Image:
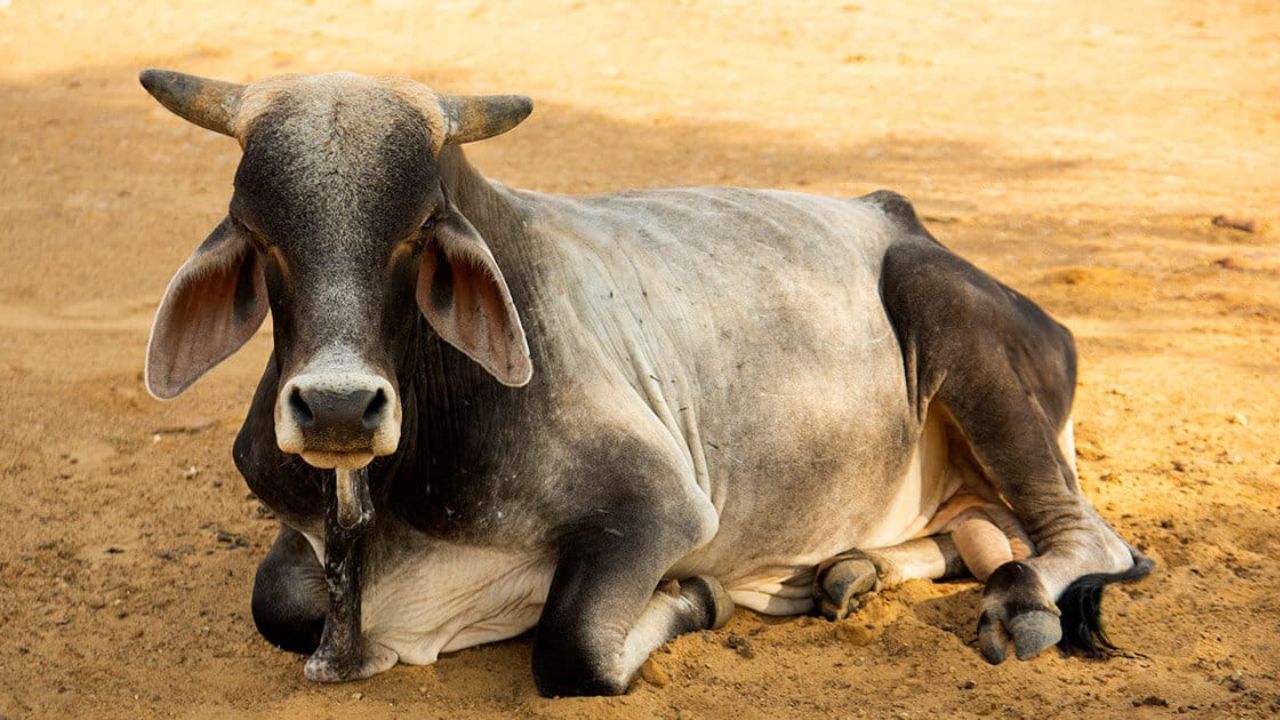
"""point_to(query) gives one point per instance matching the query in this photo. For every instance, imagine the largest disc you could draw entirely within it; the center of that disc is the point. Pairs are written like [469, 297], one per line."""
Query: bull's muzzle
[338, 420]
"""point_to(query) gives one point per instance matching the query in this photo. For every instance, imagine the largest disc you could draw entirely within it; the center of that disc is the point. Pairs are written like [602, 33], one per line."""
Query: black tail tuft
[1081, 606]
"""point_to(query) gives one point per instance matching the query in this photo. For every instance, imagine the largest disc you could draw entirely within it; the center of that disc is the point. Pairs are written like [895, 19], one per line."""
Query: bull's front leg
[348, 518]
[609, 607]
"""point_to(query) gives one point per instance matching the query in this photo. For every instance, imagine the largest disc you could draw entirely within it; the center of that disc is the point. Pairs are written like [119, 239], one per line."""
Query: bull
[609, 418]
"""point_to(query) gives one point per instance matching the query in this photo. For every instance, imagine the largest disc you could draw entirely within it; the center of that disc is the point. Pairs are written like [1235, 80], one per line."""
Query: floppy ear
[213, 305]
[465, 299]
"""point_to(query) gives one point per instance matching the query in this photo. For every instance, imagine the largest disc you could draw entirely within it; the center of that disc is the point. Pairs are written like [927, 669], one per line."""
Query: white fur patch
[440, 597]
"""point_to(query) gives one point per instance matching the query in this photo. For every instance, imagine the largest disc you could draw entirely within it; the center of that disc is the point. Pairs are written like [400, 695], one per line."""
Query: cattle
[613, 418]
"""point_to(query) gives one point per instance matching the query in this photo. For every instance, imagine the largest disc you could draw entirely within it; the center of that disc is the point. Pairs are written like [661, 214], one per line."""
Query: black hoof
[843, 585]
[710, 595]
[1016, 608]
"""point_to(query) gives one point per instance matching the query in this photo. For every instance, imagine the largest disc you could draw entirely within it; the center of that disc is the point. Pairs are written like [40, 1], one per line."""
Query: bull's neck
[493, 209]
[454, 401]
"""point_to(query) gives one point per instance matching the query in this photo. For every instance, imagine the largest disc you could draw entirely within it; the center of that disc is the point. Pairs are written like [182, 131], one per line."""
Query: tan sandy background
[1076, 148]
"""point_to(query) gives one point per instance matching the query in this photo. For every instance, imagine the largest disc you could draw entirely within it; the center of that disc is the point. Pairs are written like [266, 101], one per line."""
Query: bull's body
[737, 337]
[732, 388]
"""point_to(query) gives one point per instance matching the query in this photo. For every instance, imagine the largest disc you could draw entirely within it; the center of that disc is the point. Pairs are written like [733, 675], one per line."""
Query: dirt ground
[1078, 149]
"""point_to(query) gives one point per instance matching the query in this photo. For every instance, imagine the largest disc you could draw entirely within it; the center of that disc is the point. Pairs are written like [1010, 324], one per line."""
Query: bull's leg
[603, 615]
[845, 582]
[1005, 373]
[289, 595]
[1077, 552]
[608, 606]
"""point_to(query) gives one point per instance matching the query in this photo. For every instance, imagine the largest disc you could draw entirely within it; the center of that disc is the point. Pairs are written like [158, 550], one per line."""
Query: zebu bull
[611, 417]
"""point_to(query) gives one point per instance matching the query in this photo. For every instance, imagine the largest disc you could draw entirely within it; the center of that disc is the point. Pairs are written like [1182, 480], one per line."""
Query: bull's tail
[1081, 606]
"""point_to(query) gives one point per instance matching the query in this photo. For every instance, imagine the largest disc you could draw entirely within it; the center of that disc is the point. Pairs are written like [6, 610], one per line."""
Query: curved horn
[475, 117]
[211, 104]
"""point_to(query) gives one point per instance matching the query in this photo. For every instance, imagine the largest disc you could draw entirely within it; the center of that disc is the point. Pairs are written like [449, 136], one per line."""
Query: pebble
[653, 674]
[740, 644]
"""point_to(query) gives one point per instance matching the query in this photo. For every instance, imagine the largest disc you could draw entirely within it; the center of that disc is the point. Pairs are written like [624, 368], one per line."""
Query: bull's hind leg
[844, 583]
[1005, 372]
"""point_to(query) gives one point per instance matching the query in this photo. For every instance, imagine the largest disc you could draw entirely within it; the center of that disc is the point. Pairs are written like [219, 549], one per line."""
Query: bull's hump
[897, 208]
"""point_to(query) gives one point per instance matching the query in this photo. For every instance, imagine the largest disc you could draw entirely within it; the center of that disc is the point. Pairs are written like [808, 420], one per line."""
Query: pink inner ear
[214, 304]
[473, 311]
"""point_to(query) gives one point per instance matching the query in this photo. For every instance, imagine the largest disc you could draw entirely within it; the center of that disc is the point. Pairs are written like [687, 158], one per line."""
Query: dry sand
[1077, 149]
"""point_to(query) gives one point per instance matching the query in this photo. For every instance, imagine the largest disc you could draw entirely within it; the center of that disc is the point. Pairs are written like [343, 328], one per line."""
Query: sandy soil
[1077, 149]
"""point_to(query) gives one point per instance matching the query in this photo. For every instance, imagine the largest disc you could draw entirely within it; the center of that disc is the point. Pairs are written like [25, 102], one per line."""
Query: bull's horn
[475, 117]
[211, 104]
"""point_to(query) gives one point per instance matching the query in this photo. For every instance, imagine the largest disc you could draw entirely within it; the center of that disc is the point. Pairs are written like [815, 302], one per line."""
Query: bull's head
[340, 225]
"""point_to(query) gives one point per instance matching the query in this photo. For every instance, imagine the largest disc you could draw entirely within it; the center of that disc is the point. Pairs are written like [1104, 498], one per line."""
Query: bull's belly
[777, 578]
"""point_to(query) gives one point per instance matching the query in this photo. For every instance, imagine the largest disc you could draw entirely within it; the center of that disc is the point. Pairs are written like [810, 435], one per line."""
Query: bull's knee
[576, 663]
[289, 596]
[575, 658]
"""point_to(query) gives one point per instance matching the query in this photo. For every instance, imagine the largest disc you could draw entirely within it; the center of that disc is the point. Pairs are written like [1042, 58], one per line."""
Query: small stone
[1151, 701]
[740, 644]
[1235, 683]
[357, 696]
[653, 674]
[968, 685]
[1243, 224]
[1240, 419]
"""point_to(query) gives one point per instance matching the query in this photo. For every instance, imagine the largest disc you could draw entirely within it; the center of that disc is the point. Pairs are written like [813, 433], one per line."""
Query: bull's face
[340, 225]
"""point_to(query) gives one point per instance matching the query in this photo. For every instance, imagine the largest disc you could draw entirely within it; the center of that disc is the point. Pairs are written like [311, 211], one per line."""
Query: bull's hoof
[1015, 608]
[843, 584]
[712, 595]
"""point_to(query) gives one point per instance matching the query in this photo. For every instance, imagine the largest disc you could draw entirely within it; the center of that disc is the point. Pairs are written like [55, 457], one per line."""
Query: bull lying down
[610, 418]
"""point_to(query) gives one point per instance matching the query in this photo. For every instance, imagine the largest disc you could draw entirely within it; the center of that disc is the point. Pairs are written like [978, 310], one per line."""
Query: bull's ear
[213, 305]
[463, 295]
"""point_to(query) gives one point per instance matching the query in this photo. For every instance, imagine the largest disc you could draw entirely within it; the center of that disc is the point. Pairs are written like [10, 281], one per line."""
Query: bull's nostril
[301, 411]
[373, 413]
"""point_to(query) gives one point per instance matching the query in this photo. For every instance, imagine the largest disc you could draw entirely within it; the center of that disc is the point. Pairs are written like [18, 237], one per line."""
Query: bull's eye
[429, 224]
